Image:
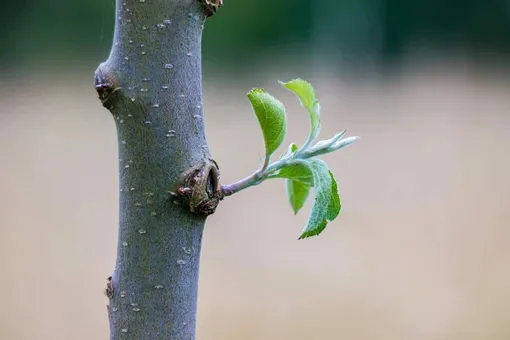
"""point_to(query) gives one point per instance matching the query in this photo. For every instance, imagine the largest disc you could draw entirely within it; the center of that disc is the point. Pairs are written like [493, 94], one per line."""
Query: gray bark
[151, 83]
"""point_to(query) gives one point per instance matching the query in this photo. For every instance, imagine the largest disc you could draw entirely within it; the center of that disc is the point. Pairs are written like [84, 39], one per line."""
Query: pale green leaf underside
[306, 95]
[334, 202]
[270, 113]
[326, 205]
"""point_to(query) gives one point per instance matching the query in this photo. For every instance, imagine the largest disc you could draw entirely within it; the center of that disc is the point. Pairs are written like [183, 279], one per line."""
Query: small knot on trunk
[106, 86]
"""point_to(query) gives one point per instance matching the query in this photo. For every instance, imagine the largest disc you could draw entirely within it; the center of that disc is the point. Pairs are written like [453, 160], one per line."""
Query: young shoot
[299, 166]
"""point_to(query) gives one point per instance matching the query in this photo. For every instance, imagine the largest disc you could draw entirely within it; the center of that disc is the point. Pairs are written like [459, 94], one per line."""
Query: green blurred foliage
[352, 30]
[242, 30]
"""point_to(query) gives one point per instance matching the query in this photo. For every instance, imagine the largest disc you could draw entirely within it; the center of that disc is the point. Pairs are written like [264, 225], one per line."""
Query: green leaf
[270, 113]
[300, 172]
[291, 150]
[297, 193]
[293, 147]
[299, 180]
[306, 95]
[326, 206]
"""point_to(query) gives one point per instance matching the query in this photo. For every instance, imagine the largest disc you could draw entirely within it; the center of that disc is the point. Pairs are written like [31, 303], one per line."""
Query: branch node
[200, 188]
[211, 6]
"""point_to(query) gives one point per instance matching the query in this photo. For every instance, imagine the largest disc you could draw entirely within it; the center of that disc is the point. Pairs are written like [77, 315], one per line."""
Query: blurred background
[421, 248]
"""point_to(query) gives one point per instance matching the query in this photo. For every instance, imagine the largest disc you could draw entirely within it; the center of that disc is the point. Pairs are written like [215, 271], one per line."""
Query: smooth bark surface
[151, 83]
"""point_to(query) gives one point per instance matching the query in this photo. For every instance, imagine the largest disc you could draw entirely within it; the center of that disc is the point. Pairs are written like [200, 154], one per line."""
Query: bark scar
[200, 188]
[109, 288]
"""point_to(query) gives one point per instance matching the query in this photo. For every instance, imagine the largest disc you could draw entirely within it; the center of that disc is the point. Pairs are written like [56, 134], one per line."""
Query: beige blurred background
[421, 248]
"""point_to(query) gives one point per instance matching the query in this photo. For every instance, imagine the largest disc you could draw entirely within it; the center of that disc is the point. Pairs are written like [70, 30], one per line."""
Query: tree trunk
[151, 83]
